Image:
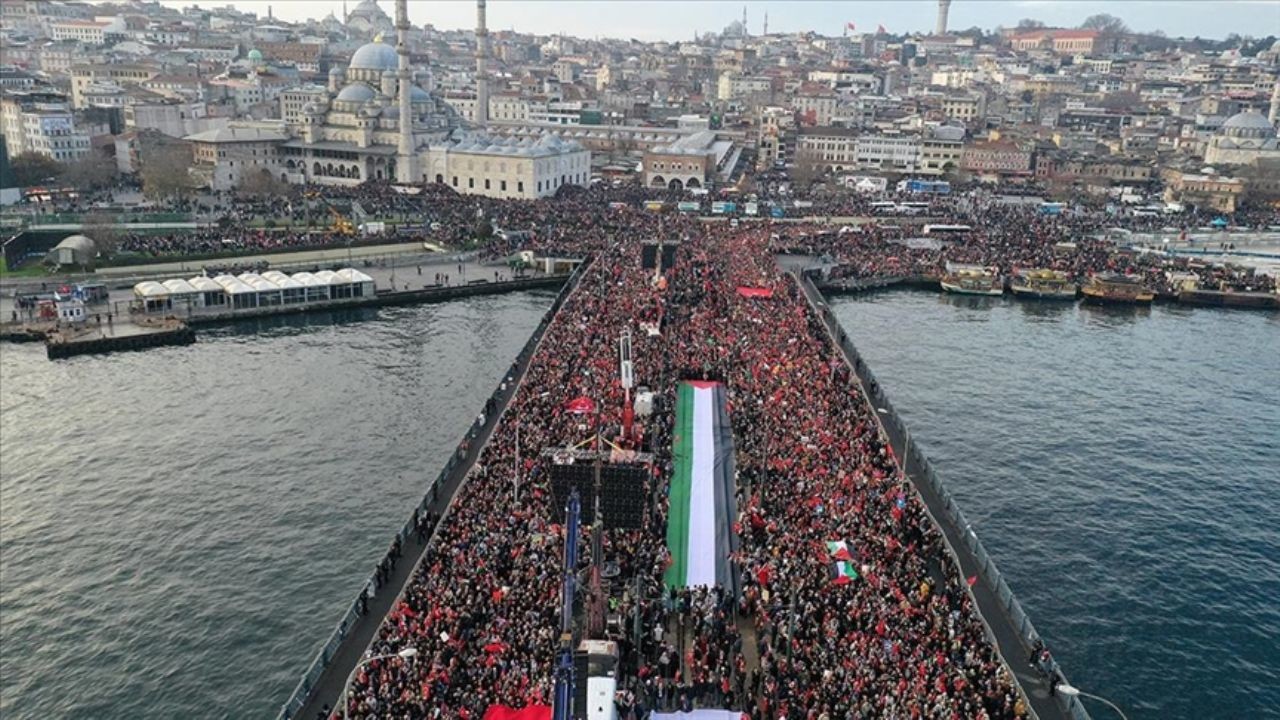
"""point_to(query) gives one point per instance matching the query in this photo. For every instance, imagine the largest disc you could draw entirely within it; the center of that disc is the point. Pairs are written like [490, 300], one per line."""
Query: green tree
[34, 169]
[1029, 24]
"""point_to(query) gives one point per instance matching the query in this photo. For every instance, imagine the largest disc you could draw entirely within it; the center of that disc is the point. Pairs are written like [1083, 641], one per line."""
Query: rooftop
[233, 134]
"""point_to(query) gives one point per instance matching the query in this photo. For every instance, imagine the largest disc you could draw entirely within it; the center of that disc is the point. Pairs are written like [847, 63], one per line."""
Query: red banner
[755, 292]
[531, 712]
[580, 405]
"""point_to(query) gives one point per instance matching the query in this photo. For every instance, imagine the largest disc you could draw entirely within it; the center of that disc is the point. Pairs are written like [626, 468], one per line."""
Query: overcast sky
[678, 19]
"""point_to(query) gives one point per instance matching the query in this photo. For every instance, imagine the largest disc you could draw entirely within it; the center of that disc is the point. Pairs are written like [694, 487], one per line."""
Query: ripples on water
[1121, 466]
[183, 527]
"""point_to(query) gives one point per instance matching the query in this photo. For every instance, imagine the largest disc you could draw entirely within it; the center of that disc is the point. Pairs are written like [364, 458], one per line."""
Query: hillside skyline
[652, 20]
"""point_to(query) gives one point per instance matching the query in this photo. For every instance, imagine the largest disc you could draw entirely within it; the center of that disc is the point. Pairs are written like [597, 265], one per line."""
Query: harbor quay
[822, 570]
[154, 313]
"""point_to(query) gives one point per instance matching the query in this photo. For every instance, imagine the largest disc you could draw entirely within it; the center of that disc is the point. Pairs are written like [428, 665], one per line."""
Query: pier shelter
[250, 291]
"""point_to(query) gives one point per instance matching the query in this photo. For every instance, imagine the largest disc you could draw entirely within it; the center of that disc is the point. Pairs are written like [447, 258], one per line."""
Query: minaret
[744, 21]
[766, 24]
[943, 7]
[482, 66]
[406, 161]
[1274, 115]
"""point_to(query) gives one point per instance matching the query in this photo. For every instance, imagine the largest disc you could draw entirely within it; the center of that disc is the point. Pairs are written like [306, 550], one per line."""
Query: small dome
[335, 72]
[374, 56]
[355, 92]
[255, 55]
[311, 108]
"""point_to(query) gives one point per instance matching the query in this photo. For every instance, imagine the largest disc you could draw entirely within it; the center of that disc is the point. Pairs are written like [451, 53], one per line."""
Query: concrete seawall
[1007, 625]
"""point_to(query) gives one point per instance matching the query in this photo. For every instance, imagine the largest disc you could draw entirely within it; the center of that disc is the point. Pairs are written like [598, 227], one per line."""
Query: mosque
[378, 120]
[368, 18]
[1243, 139]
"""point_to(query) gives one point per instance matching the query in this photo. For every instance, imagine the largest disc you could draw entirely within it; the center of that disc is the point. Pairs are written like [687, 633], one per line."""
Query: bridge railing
[914, 459]
[321, 661]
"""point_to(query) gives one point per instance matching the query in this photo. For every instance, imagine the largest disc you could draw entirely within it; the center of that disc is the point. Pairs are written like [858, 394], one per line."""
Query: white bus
[602, 683]
[946, 230]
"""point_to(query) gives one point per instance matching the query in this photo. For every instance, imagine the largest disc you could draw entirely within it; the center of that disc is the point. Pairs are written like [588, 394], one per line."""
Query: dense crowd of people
[482, 611]
[1009, 230]
[1008, 238]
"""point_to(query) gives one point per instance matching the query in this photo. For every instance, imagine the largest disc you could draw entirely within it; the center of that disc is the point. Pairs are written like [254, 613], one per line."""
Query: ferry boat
[1042, 284]
[1116, 289]
[972, 280]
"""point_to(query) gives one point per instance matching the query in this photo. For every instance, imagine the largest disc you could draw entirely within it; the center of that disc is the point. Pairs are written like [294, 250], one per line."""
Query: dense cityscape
[688, 497]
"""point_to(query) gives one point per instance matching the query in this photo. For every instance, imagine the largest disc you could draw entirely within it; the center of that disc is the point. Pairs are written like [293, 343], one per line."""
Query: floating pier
[67, 342]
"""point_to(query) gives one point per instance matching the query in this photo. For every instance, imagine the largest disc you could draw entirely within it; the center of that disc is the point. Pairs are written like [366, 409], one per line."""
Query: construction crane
[341, 224]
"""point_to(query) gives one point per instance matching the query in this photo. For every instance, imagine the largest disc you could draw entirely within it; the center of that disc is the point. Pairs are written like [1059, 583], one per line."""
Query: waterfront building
[690, 162]
[899, 153]
[941, 150]
[996, 157]
[224, 157]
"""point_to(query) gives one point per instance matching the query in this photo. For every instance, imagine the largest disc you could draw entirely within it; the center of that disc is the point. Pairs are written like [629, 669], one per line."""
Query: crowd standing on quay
[1006, 235]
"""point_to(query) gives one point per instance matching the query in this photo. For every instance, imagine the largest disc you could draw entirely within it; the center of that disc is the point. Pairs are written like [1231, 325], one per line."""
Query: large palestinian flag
[702, 507]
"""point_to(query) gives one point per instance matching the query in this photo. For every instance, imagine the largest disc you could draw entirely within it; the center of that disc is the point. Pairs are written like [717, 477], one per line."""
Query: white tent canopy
[254, 290]
[150, 289]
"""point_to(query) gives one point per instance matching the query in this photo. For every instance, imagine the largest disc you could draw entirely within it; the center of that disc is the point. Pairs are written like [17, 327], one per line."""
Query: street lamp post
[1071, 691]
[404, 654]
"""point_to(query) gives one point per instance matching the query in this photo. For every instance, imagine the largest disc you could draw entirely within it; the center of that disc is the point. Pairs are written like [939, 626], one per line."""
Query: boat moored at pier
[1117, 289]
[1042, 284]
[972, 280]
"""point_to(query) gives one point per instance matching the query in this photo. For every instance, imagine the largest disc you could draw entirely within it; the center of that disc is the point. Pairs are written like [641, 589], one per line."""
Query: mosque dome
[255, 55]
[1248, 124]
[417, 94]
[356, 92]
[368, 12]
[374, 56]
